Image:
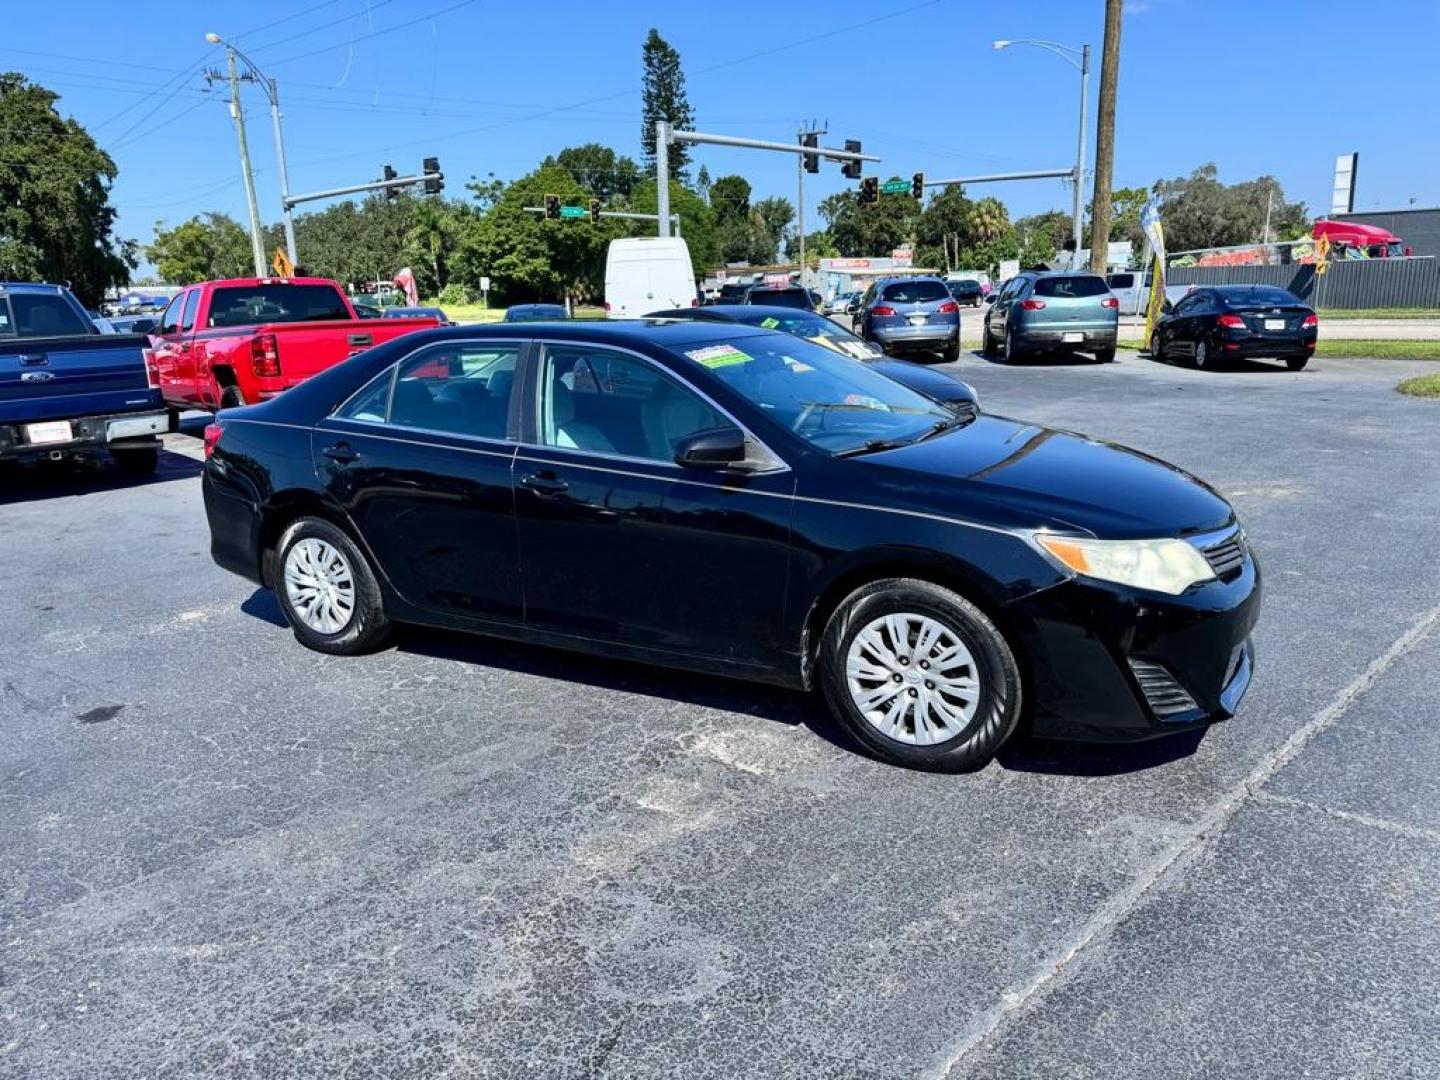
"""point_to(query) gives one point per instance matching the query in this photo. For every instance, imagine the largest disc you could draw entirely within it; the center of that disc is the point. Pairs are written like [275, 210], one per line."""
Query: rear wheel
[1202, 354]
[919, 676]
[137, 461]
[1105, 356]
[327, 590]
[952, 351]
[231, 397]
[1296, 363]
[1012, 349]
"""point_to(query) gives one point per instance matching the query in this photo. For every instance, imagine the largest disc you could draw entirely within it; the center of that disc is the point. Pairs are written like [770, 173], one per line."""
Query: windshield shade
[827, 399]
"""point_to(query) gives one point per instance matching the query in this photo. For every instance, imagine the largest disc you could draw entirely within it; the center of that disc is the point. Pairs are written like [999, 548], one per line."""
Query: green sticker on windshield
[718, 356]
[769, 322]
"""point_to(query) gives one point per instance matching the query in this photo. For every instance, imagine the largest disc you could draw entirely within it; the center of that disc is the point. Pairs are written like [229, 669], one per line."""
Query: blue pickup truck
[68, 392]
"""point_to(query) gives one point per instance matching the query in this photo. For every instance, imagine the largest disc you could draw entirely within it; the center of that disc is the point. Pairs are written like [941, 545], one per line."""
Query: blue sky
[1278, 86]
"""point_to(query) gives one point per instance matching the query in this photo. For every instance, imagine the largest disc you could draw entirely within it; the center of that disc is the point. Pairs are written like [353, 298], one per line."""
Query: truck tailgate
[311, 347]
[62, 377]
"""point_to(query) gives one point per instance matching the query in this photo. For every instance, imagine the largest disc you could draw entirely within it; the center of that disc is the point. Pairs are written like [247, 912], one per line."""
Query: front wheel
[1012, 350]
[1156, 349]
[327, 590]
[987, 343]
[920, 676]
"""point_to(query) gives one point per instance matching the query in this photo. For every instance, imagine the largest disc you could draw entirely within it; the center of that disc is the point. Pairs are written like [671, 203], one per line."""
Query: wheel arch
[284, 508]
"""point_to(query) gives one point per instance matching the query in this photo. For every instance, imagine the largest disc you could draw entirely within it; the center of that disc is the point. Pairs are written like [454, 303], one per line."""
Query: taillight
[1032, 305]
[212, 438]
[1110, 301]
[1231, 322]
[152, 369]
[265, 354]
[949, 307]
[882, 309]
[607, 307]
[1311, 320]
[695, 302]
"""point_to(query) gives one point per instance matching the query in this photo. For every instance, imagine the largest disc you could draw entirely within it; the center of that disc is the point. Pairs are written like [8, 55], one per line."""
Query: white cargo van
[648, 273]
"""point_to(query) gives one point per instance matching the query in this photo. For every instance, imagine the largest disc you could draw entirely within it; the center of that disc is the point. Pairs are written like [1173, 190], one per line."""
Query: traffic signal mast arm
[387, 184]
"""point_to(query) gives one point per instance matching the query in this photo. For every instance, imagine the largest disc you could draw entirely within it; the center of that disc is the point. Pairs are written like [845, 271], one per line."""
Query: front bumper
[1111, 663]
[91, 436]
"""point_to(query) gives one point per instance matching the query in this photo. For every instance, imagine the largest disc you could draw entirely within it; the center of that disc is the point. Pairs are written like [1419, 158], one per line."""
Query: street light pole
[237, 113]
[284, 174]
[1080, 60]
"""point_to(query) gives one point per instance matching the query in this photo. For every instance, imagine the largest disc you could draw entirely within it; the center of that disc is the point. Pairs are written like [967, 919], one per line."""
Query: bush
[454, 293]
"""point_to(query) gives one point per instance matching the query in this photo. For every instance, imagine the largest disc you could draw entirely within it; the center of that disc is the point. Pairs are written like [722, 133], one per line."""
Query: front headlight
[1168, 566]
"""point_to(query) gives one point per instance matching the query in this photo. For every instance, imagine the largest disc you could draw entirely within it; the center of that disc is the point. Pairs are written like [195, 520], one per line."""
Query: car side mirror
[712, 448]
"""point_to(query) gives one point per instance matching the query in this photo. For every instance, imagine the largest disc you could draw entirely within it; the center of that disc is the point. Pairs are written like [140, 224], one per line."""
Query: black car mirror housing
[713, 448]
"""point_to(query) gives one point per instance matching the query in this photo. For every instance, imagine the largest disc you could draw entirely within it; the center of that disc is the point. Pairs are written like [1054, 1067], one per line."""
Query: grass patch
[1379, 313]
[1370, 348]
[1426, 386]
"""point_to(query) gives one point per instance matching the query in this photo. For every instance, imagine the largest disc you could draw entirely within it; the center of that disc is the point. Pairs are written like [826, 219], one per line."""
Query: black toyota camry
[749, 503]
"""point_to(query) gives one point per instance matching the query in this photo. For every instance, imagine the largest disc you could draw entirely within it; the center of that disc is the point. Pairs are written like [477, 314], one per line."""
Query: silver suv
[1055, 311]
[910, 315]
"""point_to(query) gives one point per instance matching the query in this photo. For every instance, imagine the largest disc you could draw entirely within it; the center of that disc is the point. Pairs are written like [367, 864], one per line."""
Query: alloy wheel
[319, 585]
[1202, 354]
[913, 679]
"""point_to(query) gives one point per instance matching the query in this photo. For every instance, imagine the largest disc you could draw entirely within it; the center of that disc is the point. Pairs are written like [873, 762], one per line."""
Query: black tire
[172, 419]
[1296, 363]
[998, 710]
[137, 461]
[1105, 356]
[1157, 351]
[952, 352]
[231, 397]
[987, 343]
[1012, 350]
[1201, 358]
[368, 626]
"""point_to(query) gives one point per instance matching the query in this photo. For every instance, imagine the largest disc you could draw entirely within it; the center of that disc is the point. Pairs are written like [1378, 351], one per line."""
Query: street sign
[484, 284]
[895, 187]
[574, 212]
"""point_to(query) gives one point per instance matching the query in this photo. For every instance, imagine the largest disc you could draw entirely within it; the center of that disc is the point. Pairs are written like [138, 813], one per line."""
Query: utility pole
[284, 175]
[1105, 138]
[237, 112]
[1079, 222]
[662, 176]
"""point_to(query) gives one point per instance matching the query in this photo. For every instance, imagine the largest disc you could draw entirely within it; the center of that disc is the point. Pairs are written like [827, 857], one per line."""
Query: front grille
[1227, 557]
[1167, 698]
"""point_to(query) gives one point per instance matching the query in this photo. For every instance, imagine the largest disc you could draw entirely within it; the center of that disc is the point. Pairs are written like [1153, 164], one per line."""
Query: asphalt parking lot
[226, 856]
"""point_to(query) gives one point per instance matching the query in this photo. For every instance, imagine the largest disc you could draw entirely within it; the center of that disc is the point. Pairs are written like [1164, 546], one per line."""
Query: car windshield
[814, 328]
[830, 401]
[1076, 286]
[915, 292]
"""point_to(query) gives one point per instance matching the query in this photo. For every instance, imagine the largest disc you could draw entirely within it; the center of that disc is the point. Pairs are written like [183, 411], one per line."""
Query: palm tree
[431, 230]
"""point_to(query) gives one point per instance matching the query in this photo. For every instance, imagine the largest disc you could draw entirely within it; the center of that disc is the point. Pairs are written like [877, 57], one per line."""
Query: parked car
[742, 502]
[840, 304]
[732, 292]
[367, 311]
[69, 392]
[535, 312]
[966, 291]
[979, 276]
[786, 296]
[646, 272]
[1218, 323]
[1052, 311]
[133, 324]
[827, 332]
[1132, 289]
[910, 315]
[223, 344]
[102, 325]
[414, 312]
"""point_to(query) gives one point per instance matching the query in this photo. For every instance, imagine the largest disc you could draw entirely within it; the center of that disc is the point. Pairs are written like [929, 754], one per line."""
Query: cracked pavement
[225, 856]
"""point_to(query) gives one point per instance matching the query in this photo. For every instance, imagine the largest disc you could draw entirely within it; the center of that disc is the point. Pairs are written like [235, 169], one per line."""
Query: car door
[186, 375]
[1000, 310]
[1179, 327]
[617, 541]
[420, 460]
[167, 341]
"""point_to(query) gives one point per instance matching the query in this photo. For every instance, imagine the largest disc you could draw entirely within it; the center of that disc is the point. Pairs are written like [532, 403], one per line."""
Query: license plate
[1274, 324]
[52, 431]
[917, 320]
[1072, 335]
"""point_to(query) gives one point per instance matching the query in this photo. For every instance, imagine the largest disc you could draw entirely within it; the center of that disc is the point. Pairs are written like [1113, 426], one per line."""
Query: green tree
[598, 169]
[1199, 211]
[773, 218]
[1042, 236]
[942, 228]
[869, 229]
[56, 221]
[208, 246]
[432, 234]
[663, 98]
[697, 222]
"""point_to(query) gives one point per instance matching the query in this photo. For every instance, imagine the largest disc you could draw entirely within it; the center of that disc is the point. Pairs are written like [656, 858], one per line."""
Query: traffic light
[390, 193]
[595, 211]
[917, 186]
[869, 189]
[434, 180]
[552, 207]
[812, 161]
[851, 169]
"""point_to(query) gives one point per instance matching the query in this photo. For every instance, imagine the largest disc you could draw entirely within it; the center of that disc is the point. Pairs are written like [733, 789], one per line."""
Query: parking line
[1179, 855]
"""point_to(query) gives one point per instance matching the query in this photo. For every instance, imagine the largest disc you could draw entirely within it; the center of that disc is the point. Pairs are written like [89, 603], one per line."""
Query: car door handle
[360, 339]
[544, 484]
[341, 452]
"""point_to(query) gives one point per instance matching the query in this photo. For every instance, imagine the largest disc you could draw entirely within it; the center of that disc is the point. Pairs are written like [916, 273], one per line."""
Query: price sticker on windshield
[718, 356]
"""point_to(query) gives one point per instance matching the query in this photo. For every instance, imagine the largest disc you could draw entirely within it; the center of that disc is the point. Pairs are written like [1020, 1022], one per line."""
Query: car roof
[30, 287]
[899, 279]
[622, 333]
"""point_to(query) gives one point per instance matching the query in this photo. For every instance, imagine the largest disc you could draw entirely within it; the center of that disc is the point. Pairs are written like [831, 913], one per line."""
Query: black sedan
[966, 291]
[1220, 323]
[412, 312]
[535, 313]
[738, 501]
[831, 334]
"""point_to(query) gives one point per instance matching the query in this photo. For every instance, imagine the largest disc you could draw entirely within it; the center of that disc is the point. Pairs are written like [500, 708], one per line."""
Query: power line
[369, 10]
[373, 34]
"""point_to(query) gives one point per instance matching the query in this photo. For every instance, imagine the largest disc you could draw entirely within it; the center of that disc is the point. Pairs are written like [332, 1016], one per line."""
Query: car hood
[937, 384]
[1019, 475]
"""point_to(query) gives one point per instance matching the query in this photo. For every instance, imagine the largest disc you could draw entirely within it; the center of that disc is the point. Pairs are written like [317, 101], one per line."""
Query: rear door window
[1078, 287]
[915, 292]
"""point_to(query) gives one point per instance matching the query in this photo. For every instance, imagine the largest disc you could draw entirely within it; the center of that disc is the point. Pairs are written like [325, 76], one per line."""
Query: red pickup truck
[221, 344]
